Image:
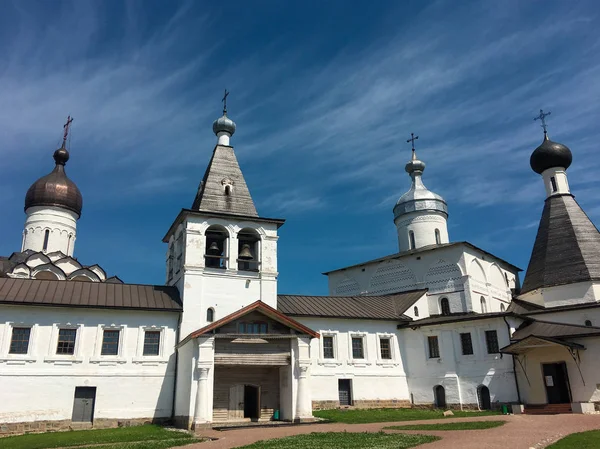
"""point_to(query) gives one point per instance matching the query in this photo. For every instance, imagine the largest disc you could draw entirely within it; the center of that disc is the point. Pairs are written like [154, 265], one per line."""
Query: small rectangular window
[253, 328]
[491, 340]
[110, 342]
[386, 348]
[434, 349]
[19, 344]
[466, 343]
[553, 181]
[357, 348]
[328, 348]
[66, 341]
[151, 342]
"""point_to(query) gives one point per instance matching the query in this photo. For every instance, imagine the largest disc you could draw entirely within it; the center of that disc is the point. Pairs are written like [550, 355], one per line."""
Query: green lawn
[466, 425]
[362, 416]
[140, 437]
[346, 440]
[582, 440]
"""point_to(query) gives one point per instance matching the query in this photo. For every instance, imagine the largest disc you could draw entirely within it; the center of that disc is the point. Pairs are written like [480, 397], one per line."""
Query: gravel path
[519, 432]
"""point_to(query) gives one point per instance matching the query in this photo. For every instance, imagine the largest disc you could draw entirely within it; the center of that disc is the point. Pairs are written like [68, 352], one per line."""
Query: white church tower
[222, 256]
[420, 215]
[53, 205]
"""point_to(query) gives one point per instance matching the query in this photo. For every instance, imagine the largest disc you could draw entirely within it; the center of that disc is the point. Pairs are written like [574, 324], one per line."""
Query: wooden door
[83, 404]
[236, 402]
[345, 393]
[440, 397]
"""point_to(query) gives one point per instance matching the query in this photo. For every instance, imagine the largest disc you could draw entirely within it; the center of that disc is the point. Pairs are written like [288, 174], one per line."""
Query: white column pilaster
[201, 415]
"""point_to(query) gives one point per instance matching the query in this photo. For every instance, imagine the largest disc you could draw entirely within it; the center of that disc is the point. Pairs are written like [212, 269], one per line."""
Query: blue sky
[324, 95]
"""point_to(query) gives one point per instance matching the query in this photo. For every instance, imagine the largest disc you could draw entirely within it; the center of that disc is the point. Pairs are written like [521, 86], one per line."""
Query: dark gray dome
[224, 124]
[55, 189]
[550, 154]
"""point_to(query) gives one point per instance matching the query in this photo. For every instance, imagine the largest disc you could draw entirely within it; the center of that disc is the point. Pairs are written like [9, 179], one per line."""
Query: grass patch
[148, 436]
[466, 425]
[581, 440]
[346, 440]
[363, 416]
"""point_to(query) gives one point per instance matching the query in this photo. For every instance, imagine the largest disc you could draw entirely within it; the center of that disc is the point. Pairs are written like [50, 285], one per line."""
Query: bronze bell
[214, 248]
[245, 253]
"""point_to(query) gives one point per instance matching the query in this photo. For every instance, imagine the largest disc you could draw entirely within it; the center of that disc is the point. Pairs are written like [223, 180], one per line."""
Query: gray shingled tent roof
[567, 246]
[211, 197]
[89, 294]
[388, 307]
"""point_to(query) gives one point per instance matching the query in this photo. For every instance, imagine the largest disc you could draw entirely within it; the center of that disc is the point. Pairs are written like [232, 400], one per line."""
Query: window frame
[462, 344]
[241, 324]
[12, 341]
[58, 341]
[52, 354]
[483, 304]
[146, 343]
[412, 243]
[20, 359]
[122, 350]
[211, 311]
[150, 360]
[444, 301]
[487, 342]
[390, 355]
[359, 349]
[431, 354]
[438, 237]
[354, 361]
[324, 354]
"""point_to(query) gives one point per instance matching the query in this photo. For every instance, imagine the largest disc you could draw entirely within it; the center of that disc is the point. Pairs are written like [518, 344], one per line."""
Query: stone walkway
[519, 432]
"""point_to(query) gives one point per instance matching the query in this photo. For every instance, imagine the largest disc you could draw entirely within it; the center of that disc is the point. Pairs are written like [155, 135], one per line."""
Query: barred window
[466, 343]
[357, 348]
[66, 341]
[434, 348]
[328, 348]
[110, 342]
[491, 340]
[385, 348]
[151, 342]
[19, 343]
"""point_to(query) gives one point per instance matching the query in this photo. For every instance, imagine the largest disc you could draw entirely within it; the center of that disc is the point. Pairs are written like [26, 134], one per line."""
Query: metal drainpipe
[173, 402]
[514, 370]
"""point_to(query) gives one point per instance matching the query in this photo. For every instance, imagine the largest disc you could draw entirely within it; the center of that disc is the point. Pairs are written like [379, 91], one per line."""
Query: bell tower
[221, 254]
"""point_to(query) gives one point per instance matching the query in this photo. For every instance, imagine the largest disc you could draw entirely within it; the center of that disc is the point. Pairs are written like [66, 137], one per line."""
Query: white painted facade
[40, 385]
[50, 229]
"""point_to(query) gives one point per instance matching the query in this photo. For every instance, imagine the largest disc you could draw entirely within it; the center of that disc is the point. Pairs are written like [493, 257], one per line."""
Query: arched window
[411, 238]
[216, 247]
[553, 182]
[416, 311]
[588, 323]
[227, 190]
[210, 314]
[502, 308]
[484, 308]
[438, 239]
[248, 250]
[445, 306]
[46, 238]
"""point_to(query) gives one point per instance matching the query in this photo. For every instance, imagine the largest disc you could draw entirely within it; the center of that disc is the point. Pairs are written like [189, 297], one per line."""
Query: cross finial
[66, 127]
[224, 100]
[542, 117]
[412, 140]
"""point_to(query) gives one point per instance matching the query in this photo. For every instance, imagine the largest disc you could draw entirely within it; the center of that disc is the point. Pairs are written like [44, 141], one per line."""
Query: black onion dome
[55, 189]
[550, 154]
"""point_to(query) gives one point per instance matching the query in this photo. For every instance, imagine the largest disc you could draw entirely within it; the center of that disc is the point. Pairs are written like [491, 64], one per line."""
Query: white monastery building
[436, 324]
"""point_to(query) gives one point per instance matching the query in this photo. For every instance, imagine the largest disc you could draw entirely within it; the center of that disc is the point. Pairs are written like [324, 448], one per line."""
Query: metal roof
[553, 330]
[533, 342]
[521, 307]
[388, 307]
[89, 294]
[452, 318]
[422, 250]
[566, 249]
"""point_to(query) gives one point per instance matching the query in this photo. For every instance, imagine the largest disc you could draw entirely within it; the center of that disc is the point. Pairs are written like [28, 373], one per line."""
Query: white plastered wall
[61, 223]
[40, 385]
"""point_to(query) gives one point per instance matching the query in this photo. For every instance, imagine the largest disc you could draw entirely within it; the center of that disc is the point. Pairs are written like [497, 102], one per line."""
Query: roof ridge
[582, 326]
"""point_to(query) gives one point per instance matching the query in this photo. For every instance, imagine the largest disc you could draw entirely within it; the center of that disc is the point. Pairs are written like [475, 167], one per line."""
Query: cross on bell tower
[66, 127]
[542, 117]
[412, 140]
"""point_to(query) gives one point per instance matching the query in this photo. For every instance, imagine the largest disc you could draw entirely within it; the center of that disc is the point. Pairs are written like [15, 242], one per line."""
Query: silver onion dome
[224, 124]
[418, 197]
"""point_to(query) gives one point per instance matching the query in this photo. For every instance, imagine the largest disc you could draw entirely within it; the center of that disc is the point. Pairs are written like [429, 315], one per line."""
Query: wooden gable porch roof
[257, 306]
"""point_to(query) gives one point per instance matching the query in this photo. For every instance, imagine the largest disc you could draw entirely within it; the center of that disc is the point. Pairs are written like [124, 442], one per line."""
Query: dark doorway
[345, 391]
[83, 405]
[251, 402]
[440, 396]
[483, 396]
[556, 380]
